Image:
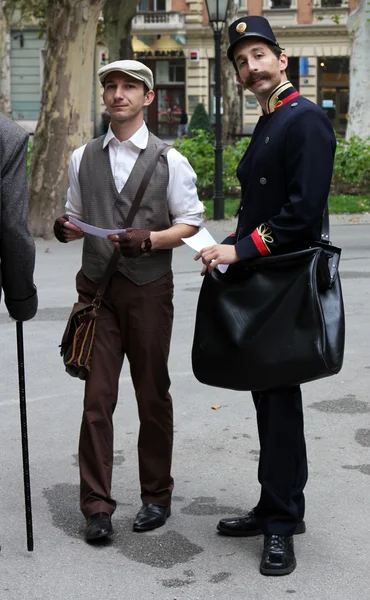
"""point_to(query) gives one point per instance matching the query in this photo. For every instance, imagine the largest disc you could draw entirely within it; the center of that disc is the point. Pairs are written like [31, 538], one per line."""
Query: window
[168, 71]
[281, 3]
[334, 71]
[152, 5]
[293, 71]
[334, 90]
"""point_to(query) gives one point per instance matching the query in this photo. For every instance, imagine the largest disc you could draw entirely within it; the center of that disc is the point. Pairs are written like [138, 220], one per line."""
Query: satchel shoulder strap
[112, 266]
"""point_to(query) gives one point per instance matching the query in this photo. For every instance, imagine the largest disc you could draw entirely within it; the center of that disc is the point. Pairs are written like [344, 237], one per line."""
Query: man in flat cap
[135, 318]
[285, 177]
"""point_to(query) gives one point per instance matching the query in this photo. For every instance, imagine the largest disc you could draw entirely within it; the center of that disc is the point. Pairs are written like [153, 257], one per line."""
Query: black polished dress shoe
[151, 516]
[248, 526]
[98, 527]
[278, 555]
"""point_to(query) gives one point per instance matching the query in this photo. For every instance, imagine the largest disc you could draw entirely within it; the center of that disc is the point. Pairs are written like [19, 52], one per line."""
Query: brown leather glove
[59, 229]
[134, 242]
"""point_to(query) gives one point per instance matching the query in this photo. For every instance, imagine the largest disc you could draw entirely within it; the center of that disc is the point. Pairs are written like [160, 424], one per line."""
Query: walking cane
[23, 412]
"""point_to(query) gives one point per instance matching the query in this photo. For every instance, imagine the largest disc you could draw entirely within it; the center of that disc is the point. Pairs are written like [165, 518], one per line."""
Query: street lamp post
[217, 10]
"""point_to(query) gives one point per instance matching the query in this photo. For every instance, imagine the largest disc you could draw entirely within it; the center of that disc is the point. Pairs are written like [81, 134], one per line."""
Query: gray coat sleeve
[17, 248]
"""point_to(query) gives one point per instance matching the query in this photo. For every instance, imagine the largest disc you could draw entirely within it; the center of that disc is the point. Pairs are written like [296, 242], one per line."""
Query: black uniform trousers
[282, 469]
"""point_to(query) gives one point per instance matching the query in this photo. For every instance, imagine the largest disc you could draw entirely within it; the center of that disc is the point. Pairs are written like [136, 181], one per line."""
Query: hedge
[351, 166]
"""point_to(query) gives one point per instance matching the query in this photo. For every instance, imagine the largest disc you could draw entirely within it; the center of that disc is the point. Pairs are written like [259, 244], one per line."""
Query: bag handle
[112, 266]
[325, 229]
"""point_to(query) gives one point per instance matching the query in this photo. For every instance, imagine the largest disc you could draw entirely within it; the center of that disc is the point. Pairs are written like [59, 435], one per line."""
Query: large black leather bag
[276, 322]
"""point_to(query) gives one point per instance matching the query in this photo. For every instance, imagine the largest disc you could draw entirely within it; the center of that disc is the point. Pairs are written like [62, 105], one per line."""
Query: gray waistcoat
[103, 206]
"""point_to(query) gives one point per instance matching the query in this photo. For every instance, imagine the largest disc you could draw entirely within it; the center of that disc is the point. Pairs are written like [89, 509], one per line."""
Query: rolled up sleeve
[183, 201]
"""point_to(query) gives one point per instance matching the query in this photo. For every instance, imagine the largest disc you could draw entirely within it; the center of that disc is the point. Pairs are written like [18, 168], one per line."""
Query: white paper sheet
[98, 231]
[201, 240]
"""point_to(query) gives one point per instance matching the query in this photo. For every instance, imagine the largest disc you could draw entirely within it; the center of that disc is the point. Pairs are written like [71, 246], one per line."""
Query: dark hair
[274, 49]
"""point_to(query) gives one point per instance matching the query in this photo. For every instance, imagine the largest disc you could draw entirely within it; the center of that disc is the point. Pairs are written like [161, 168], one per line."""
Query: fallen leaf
[216, 407]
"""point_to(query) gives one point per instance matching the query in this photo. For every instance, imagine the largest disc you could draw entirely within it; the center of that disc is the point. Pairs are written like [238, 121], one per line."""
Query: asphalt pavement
[214, 463]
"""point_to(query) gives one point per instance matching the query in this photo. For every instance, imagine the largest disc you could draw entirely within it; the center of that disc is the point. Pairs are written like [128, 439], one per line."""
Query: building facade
[174, 38]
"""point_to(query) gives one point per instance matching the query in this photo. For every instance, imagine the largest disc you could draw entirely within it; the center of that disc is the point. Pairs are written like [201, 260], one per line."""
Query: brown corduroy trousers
[135, 321]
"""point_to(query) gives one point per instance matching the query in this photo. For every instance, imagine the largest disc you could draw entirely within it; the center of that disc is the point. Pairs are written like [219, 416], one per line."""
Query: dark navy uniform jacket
[285, 178]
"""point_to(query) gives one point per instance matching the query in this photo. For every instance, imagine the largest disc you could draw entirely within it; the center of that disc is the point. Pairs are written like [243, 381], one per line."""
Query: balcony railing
[151, 20]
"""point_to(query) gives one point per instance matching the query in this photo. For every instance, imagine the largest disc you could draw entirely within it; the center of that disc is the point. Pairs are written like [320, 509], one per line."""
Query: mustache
[256, 77]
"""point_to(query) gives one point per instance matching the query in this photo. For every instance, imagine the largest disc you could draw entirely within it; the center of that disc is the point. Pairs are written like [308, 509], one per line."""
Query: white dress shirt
[184, 205]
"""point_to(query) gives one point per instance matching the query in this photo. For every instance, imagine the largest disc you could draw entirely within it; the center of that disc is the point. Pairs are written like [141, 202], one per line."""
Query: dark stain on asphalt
[219, 577]
[118, 458]
[365, 469]
[176, 583]
[255, 455]
[178, 498]
[189, 573]
[162, 548]
[63, 503]
[362, 437]
[203, 505]
[347, 405]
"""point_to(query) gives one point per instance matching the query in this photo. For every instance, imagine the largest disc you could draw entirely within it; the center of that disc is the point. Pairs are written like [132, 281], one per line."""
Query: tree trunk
[5, 102]
[65, 117]
[118, 15]
[231, 124]
[359, 30]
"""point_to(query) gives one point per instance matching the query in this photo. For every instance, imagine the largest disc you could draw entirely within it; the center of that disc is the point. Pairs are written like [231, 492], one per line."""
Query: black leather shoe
[151, 516]
[98, 527]
[278, 555]
[248, 526]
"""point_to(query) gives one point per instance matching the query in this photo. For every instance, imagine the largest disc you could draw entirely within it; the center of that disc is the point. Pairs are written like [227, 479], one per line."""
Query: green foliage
[28, 11]
[199, 120]
[29, 150]
[337, 205]
[349, 204]
[199, 150]
[352, 166]
[231, 157]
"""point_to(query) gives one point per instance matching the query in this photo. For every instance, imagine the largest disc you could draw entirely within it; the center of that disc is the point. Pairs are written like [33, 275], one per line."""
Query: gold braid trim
[273, 99]
[265, 234]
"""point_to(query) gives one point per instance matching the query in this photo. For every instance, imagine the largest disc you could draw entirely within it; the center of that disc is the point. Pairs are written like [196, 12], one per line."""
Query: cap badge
[241, 27]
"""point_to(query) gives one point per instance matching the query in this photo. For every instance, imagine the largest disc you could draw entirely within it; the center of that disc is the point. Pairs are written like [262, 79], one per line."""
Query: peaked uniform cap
[249, 27]
[133, 68]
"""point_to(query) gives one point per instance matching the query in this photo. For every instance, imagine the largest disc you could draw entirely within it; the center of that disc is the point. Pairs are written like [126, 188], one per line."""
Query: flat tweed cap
[133, 68]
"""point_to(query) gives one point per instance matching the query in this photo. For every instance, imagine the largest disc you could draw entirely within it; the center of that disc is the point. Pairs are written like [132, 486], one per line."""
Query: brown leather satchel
[78, 338]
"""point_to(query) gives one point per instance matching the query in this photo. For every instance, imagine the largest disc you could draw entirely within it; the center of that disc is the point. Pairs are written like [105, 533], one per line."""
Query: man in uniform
[135, 318]
[285, 178]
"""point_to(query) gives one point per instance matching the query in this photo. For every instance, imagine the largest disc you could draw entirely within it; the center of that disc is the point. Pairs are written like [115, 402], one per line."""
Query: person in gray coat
[17, 248]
